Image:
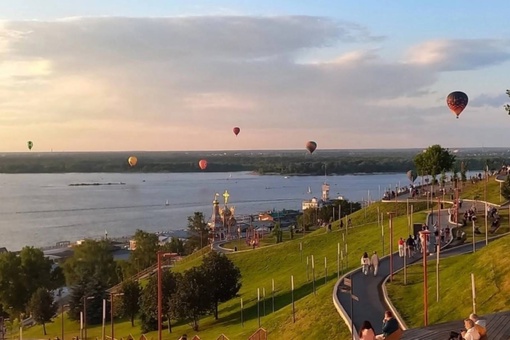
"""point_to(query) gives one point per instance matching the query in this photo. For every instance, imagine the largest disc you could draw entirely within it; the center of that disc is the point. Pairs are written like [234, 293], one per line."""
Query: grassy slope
[315, 315]
[492, 277]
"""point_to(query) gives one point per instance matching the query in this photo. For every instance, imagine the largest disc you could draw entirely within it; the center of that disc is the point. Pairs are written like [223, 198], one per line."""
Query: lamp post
[391, 245]
[112, 295]
[160, 255]
[85, 298]
[424, 235]
[62, 315]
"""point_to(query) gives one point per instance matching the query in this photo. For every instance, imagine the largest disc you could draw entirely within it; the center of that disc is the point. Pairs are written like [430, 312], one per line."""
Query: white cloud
[189, 78]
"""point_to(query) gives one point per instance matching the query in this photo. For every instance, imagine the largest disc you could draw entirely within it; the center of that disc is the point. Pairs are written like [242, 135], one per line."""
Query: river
[42, 209]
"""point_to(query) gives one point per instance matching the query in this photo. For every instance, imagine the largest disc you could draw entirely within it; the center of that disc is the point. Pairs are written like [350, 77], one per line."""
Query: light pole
[391, 245]
[85, 298]
[424, 235]
[112, 295]
[160, 255]
[62, 312]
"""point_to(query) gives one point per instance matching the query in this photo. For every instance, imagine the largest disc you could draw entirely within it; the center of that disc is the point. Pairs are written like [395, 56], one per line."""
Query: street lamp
[112, 295]
[62, 312]
[85, 298]
[424, 235]
[391, 245]
[160, 255]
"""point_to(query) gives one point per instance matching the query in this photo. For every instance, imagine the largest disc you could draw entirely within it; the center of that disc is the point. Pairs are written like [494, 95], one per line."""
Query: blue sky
[178, 75]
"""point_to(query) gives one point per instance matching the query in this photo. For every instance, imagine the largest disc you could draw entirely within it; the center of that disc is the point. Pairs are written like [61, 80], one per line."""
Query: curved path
[371, 304]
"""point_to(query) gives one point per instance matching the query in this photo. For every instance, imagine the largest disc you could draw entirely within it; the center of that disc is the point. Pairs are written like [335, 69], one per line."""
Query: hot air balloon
[30, 145]
[457, 102]
[202, 164]
[412, 175]
[236, 130]
[311, 146]
[132, 161]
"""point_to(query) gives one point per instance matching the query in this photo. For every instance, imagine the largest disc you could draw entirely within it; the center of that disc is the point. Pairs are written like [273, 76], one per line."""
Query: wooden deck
[498, 328]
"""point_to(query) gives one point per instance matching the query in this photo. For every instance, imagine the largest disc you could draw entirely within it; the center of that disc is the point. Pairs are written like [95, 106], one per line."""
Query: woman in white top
[471, 333]
[365, 263]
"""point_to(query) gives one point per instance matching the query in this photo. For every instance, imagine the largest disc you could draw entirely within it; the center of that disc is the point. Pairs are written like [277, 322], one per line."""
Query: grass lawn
[315, 314]
[492, 281]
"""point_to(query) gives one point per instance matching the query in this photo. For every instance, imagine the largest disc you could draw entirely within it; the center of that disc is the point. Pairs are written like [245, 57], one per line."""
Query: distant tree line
[268, 162]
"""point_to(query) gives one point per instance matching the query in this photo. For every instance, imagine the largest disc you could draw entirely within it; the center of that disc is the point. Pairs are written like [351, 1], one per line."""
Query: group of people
[370, 263]
[389, 326]
[475, 329]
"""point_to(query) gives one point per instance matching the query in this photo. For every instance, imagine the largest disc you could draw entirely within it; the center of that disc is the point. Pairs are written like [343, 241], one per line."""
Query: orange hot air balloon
[202, 164]
[236, 130]
[132, 161]
[311, 146]
[457, 102]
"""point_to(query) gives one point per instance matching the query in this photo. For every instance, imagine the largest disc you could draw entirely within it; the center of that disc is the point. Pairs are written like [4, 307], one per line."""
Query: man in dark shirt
[390, 325]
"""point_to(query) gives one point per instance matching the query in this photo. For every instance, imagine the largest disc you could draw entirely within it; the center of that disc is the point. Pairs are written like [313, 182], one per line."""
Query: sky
[168, 75]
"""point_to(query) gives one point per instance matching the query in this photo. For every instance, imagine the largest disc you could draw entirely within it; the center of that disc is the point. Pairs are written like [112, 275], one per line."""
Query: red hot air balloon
[311, 146]
[236, 130]
[202, 164]
[457, 102]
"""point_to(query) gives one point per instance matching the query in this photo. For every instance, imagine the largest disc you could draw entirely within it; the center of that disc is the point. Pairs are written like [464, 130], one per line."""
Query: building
[222, 223]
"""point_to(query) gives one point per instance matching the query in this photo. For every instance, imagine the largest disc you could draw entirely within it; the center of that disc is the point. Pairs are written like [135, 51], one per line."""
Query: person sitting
[470, 333]
[366, 331]
[390, 326]
[480, 325]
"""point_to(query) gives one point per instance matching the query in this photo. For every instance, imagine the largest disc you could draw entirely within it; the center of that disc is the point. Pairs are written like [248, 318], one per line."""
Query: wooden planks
[498, 328]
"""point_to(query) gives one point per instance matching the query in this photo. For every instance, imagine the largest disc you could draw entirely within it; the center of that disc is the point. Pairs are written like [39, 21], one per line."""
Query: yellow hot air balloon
[132, 161]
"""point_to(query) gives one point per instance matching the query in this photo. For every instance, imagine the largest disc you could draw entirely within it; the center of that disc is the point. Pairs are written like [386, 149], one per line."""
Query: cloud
[183, 82]
[460, 54]
[497, 100]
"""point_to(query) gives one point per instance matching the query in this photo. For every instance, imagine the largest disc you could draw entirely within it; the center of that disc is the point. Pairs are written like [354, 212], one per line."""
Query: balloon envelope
[457, 102]
[202, 164]
[132, 161]
[30, 145]
[311, 146]
[412, 175]
[236, 130]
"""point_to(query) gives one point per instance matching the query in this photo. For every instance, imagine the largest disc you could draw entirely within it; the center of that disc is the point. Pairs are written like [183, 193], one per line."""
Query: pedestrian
[374, 261]
[183, 337]
[366, 331]
[401, 244]
[365, 263]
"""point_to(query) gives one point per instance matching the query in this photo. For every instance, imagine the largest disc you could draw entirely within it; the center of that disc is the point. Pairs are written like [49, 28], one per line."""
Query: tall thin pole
[382, 233]
[487, 225]
[292, 296]
[325, 270]
[301, 250]
[62, 309]
[474, 244]
[313, 275]
[258, 305]
[272, 292]
[85, 317]
[307, 270]
[242, 321]
[352, 308]
[424, 235]
[437, 272]
[473, 292]
[391, 246]
[160, 296]
[338, 261]
[111, 316]
[104, 320]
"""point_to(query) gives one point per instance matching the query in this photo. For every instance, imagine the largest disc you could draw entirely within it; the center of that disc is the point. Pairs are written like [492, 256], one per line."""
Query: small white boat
[309, 190]
[167, 203]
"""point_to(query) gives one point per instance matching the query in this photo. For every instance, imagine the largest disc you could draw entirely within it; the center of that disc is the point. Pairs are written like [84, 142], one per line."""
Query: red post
[424, 234]
[111, 316]
[391, 245]
[159, 296]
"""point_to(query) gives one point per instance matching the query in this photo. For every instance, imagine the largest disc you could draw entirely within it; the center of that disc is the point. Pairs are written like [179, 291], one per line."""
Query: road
[371, 305]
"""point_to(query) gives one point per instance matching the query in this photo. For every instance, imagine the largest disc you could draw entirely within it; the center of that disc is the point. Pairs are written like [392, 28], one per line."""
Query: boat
[309, 190]
[167, 203]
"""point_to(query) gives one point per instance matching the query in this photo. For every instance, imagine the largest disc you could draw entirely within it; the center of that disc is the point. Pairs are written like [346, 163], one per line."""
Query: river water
[42, 209]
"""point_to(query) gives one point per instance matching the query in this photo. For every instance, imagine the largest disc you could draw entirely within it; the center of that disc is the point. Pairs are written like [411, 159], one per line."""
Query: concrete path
[371, 305]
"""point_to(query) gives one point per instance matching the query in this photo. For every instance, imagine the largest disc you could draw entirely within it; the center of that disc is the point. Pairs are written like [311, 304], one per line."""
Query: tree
[505, 188]
[13, 291]
[278, 233]
[149, 300]
[223, 277]
[90, 292]
[192, 296]
[145, 253]
[175, 245]
[42, 307]
[463, 172]
[433, 161]
[198, 232]
[91, 260]
[130, 304]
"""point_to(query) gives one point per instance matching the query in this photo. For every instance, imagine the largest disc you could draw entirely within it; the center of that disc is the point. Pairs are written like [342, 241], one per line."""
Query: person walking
[374, 261]
[366, 331]
[365, 263]
[401, 244]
